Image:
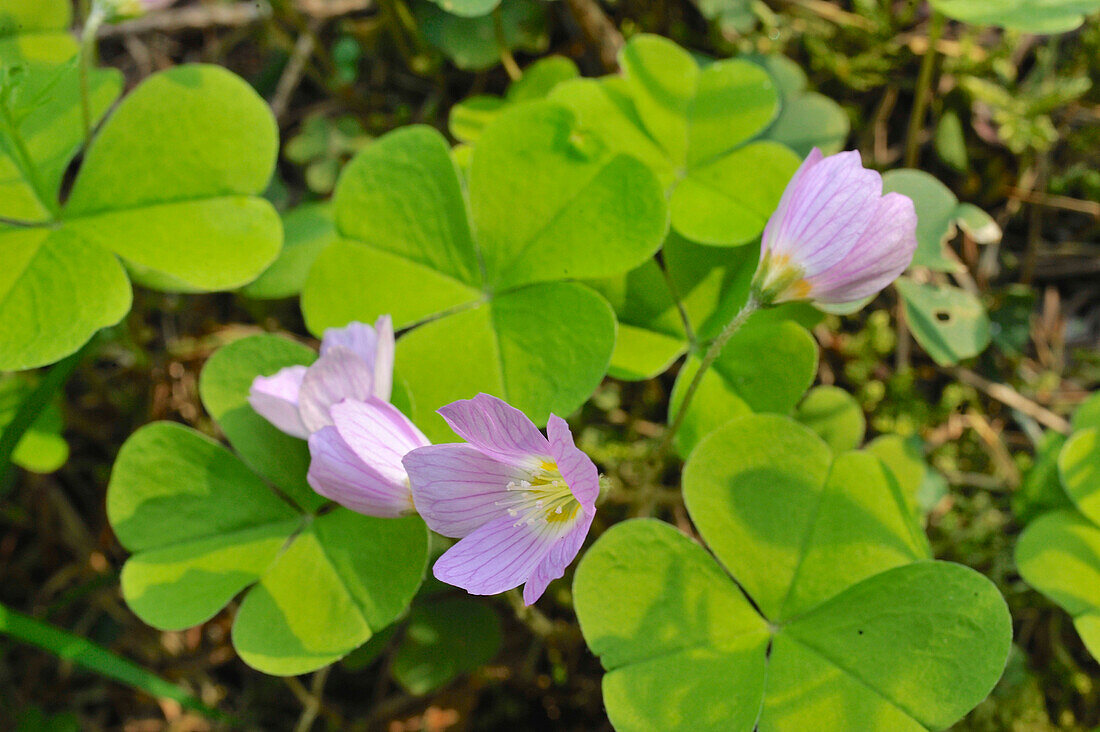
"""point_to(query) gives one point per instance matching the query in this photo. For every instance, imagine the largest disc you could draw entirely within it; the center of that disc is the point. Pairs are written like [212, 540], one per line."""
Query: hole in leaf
[943, 316]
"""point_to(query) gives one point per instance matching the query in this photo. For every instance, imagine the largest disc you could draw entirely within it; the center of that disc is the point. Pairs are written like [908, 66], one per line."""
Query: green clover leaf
[1029, 16]
[42, 449]
[204, 526]
[1059, 553]
[469, 38]
[694, 128]
[841, 588]
[36, 30]
[478, 272]
[950, 323]
[169, 186]
[806, 119]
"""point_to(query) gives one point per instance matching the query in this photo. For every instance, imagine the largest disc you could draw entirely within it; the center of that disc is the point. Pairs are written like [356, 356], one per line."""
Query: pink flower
[340, 404]
[521, 503]
[834, 237]
[356, 363]
[356, 461]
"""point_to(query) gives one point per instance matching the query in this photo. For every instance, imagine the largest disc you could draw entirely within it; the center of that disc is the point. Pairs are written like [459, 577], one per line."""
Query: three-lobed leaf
[841, 589]
[477, 272]
[167, 187]
[203, 527]
[694, 127]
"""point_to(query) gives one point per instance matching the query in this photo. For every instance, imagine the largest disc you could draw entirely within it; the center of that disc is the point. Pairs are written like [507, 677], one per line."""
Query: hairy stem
[87, 58]
[708, 359]
[689, 331]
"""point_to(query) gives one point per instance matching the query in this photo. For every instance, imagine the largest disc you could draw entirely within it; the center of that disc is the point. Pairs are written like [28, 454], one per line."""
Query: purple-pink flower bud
[340, 403]
[834, 237]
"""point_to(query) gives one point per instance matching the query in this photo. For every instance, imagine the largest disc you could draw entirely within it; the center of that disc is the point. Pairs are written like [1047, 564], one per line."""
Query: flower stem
[689, 331]
[920, 96]
[716, 346]
[87, 58]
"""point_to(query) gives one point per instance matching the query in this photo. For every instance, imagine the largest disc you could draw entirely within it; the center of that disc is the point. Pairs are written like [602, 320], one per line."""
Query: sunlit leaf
[694, 127]
[168, 187]
[482, 291]
[840, 587]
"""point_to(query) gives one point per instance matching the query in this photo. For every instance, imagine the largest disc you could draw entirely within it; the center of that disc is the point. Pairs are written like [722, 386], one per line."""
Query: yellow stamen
[544, 497]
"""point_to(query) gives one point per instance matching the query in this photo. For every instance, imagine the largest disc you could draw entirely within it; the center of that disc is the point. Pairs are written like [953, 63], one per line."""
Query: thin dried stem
[1012, 398]
[599, 30]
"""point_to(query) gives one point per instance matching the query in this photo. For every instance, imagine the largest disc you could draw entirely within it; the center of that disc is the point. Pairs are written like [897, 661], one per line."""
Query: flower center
[778, 279]
[545, 498]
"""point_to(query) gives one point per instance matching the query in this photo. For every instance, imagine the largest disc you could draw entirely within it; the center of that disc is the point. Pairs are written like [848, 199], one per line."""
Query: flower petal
[275, 398]
[497, 429]
[829, 208]
[560, 556]
[881, 254]
[383, 358]
[378, 431]
[793, 185]
[338, 472]
[500, 555]
[458, 489]
[374, 345]
[359, 338]
[337, 375]
[577, 468]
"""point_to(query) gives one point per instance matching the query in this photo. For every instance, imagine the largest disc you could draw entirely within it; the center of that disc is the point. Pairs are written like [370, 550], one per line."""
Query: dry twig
[1012, 398]
[238, 14]
[599, 30]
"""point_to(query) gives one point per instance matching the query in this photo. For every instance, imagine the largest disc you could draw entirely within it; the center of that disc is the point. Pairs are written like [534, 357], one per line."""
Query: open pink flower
[340, 404]
[834, 237]
[356, 363]
[521, 503]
